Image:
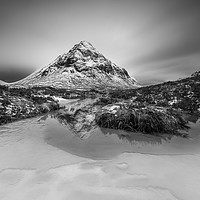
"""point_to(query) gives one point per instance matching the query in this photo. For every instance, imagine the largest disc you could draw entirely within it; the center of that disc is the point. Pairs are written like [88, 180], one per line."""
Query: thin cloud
[12, 74]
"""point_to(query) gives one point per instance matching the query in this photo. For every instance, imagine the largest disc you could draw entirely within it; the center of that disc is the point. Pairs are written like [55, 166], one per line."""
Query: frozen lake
[41, 158]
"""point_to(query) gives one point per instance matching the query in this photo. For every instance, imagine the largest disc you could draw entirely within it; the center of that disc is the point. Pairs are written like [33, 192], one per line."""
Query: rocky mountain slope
[82, 67]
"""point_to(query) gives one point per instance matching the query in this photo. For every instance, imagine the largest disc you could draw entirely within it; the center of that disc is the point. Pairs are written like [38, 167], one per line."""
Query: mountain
[83, 67]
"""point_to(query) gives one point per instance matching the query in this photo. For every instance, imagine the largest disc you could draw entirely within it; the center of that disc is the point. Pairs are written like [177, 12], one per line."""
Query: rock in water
[83, 67]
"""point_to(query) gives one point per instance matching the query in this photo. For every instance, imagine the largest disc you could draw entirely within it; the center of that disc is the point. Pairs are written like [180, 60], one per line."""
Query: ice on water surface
[42, 159]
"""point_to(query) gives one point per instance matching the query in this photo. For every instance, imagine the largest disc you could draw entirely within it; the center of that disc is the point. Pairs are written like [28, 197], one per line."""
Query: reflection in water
[83, 125]
[74, 130]
[78, 117]
[81, 122]
[133, 138]
[86, 127]
[31, 146]
[78, 134]
[42, 144]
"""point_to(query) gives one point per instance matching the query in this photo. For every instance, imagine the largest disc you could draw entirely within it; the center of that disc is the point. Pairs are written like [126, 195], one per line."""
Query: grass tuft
[149, 119]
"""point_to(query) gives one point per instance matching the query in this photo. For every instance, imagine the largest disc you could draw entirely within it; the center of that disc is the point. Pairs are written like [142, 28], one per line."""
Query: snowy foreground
[130, 176]
[31, 169]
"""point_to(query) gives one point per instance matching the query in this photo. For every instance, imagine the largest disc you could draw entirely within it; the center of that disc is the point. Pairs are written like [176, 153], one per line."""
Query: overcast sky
[154, 40]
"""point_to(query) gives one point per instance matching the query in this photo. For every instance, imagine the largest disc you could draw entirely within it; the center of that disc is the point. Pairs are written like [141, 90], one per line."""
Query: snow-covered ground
[130, 176]
[32, 169]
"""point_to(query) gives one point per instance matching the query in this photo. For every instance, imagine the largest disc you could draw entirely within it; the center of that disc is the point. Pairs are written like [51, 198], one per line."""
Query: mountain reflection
[79, 118]
[82, 124]
[73, 129]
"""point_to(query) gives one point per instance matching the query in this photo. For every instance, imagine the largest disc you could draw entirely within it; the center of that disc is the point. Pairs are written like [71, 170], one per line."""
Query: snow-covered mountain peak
[86, 45]
[82, 67]
[83, 51]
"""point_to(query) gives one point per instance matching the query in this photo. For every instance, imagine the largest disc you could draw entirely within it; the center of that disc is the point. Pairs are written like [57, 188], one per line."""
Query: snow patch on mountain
[3, 83]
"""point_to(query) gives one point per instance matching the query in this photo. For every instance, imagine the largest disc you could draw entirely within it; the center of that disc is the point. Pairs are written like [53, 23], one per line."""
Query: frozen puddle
[41, 160]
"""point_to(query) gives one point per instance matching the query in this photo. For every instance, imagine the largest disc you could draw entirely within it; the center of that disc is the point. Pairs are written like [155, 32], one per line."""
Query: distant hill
[183, 93]
[83, 67]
